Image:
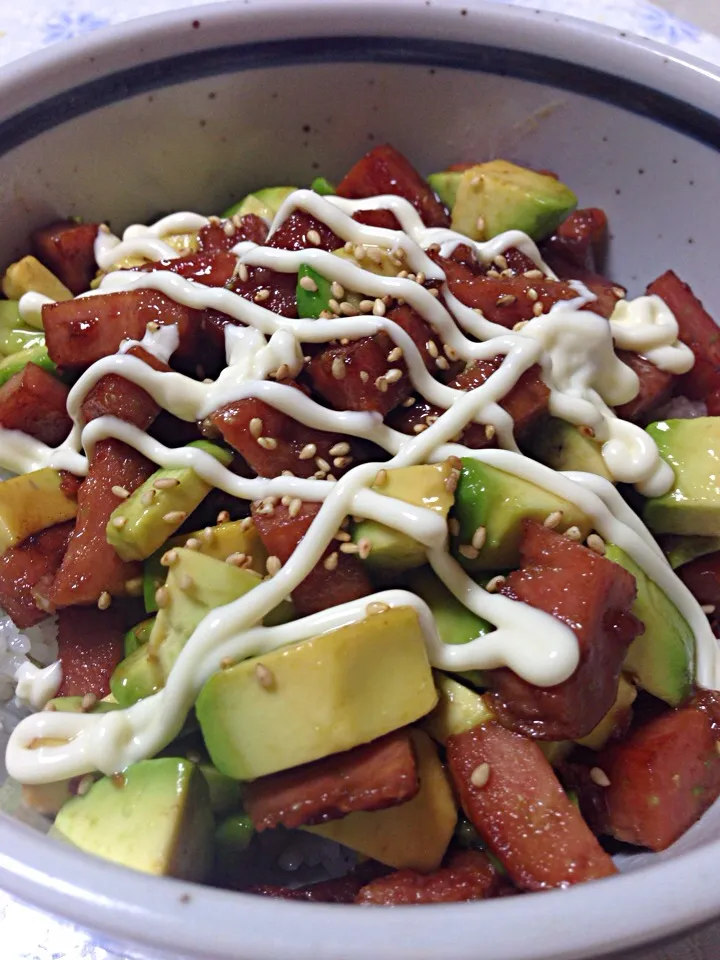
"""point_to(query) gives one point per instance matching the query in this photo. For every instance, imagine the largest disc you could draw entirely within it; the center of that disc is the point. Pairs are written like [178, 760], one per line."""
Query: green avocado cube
[33, 353]
[455, 623]
[682, 550]
[692, 506]
[15, 334]
[561, 445]
[141, 524]
[662, 659]
[498, 196]
[323, 186]
[311, 303]
[499, 502]
[155, 817]
[263, 203]
[445, 184]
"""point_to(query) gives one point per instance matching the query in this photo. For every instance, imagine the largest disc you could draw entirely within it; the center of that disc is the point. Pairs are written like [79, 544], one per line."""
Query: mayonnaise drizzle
[585, 377]
[37, 685]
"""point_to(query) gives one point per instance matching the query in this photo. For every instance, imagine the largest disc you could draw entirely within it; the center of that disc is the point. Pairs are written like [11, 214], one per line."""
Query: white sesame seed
[120, 492]
[364, 548]
[208, 534]
[450, 352]
[241, 272]
[505, 299]
[620, 292]
[267, 443]
[261, 296]
[381, 478]
[264, 676]
[334, 305]
[340, 449]
[490, 431]
[165, 483]
[169, 558]
[432, 349]
[307, 452]
[393, 375]
[480, 224]
[185, 581]
[236, 559]
[314, 238]
[553, 519]
[342, 462]
[479, 537]
[520, 325]
[338, 368]
[382, 384]
[331, 561]
[294, 507]
[394, 355]
[307, 283]
[467, 550]
[434, 292]
[152, 326]
[273, 565]
[119, 522]
[162, 597]
[596, 543]
[419, 427]
[532, 294]
[88, 702]
[347, 309]
[538, 309]
[379, 308]
[573, 533]
[599, 777]
[364, 376]
[322, 464]
[366, 306]
[408, 402]
[442, 364]
[224, 516]
[500, 262]
[349, 548]
[454, 526]
[337, 290]
[146, 498]
[174, 516]
[134, 586]
[480, 775]
[534, 274]
[192, 543]
[420, 277]
[246, 525]
[495, 583]
[708, 608]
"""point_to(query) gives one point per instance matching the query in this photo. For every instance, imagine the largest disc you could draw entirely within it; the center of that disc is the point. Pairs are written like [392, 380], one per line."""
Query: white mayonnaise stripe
[584, 377]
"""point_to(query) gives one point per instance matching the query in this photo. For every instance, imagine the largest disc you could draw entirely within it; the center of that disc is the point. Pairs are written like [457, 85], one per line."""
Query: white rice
[680, 408]
[16, 647]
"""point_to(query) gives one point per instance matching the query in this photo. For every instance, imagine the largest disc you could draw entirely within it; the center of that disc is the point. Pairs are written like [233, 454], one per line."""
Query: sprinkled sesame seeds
[480, 775]
[104, 600]
[334, 305]
[152, 326]
[378, 308]
[338, 368]
[331, 561]
[162, 597]
[364, 376]
[165, 483]
[273, 565]
[394, 355]
[267, 443]
[500, 261]
[322, 464]
[442, 364]
[532, 294]
[454, 526]
[314, 238]
[88, 702]
[596, 544]
[494, 584]
[208, 534]
[192, 543]
[119, 522]
[490, 431]
[340, 449]
[520, 325]
[393, 375]
[538, 309]
[364, 548]
[469, 551]
[237, 559]
[264, 676]
[241, 272]
[450, 352]
[146, 497]
[620, 292]
[534, 274]
[599, 777]
[377, 606]
[84, 784]
[307, 452]
[134, 586]
[573, 533]
[587, 432]
[419, 427]
[553, 519]
[261, 295]
[349, 548]
[480, 225]
[479, 537]
[382, 384]
[307, 283]
[120, 492]
[434, 292]
[175, 516]
[408, 402]
[432, 349]
[337, 290]
[169, 558]
[381, 478]
[294, 507]
[223, 517]
[185, 581]
[708, 608]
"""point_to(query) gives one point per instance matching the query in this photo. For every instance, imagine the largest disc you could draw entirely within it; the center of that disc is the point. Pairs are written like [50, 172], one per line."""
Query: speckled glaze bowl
[192, 109]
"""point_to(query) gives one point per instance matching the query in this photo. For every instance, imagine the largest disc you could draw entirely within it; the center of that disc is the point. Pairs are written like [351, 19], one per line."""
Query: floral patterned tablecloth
[28, 25]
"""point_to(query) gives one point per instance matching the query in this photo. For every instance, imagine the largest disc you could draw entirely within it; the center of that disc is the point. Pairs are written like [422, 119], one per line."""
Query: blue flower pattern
[663, 26]
[67, 24]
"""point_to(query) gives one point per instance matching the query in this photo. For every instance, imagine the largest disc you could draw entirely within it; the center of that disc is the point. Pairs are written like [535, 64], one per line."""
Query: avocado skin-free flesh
[32, 502]
[317, 697]
[692, 507]
[499, 502]
[662, 659]
[154, 817]
[561, 445]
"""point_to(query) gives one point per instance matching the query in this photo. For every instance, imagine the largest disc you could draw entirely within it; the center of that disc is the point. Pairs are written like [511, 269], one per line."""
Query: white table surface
[27, 25]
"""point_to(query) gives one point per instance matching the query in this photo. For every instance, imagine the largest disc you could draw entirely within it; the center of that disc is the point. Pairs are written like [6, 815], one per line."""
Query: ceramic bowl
[191, 110]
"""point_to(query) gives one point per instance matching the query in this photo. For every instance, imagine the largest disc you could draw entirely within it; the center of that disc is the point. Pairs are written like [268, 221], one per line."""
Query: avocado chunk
[32, 502]
[459, 709]
[138, 635]
[15, 334]
[562, 446]
[75, 705]
[445, 184]
[153, 512]
[219, 542]
[232, 838]
[499, 502]
[263, 203]
[662, 659]
[311, 303]
[428, 486]
[195, 585]
[682, 550]
[414, 835]
[317, 697]
[323, 186]
[692, 507]
[455, 623]
[29, 275]
[155, 817]
[16, 362]
[498, 196]
[616, 716]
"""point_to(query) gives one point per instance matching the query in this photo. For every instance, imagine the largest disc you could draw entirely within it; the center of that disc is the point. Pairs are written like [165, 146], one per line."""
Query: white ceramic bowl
[191, 109]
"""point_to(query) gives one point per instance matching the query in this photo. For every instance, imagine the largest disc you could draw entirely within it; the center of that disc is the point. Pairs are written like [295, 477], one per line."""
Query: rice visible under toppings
[16, 647]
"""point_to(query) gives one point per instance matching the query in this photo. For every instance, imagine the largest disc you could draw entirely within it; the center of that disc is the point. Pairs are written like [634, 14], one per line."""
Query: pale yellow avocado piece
[30, 503]
[155, 817]
[459, 709]
[326, 695]
[414, 835]
[429, 485]
[598, 737]
[378, 260]
[29, 275]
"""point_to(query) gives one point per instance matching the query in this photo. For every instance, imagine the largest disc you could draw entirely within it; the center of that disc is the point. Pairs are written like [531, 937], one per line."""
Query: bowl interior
[197, 133]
